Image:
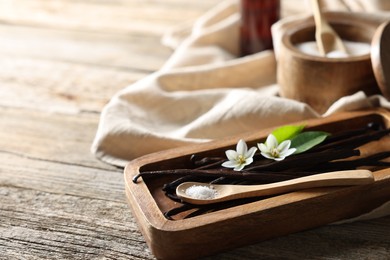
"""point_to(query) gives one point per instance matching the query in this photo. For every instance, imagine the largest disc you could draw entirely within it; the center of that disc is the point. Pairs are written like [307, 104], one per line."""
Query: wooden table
[60, 62]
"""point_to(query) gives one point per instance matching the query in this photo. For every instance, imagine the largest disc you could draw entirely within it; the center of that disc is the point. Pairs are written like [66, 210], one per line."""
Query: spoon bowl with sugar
[203, 193]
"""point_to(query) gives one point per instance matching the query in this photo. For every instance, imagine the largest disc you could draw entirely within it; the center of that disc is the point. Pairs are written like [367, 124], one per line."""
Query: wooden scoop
[222, 192]
[327, 39]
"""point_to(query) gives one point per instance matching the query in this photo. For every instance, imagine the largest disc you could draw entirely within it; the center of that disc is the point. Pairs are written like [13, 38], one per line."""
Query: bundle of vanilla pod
[340, 151]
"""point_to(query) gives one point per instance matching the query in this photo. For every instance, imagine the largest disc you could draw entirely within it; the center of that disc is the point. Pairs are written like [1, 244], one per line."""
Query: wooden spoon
[222, 192]
[327, 39]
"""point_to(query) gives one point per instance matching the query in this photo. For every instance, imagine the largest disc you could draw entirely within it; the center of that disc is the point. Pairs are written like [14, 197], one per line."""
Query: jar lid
[380, 58]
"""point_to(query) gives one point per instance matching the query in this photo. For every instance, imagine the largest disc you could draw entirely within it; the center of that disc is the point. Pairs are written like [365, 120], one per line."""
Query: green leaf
[307, 140]
[287, 132]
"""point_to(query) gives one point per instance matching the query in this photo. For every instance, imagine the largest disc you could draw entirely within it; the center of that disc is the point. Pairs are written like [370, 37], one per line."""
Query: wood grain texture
[60, 63]
[49, 136]
[59, 178]
[59, 87]
[46, 225]
[116, 16]
[123, 51]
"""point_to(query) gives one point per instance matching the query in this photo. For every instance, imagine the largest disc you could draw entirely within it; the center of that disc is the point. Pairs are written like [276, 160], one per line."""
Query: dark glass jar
[257, 17]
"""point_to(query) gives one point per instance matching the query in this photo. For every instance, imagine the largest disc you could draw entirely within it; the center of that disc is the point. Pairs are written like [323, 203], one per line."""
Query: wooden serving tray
[256, 221]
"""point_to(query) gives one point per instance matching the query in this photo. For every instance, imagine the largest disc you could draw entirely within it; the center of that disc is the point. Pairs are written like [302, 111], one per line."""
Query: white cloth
[205, 92]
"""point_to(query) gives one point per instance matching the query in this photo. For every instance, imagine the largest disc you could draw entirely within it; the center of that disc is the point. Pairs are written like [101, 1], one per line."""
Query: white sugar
[201, 192]
[353, 49]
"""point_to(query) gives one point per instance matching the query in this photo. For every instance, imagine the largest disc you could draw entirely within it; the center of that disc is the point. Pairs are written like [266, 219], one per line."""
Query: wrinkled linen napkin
[204, 91]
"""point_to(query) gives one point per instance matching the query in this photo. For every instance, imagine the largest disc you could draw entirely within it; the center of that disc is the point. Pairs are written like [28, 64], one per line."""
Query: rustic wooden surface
[60, 62]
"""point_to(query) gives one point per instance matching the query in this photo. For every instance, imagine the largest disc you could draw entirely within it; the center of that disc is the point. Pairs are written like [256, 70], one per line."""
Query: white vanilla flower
[272, 150]
[240, 158]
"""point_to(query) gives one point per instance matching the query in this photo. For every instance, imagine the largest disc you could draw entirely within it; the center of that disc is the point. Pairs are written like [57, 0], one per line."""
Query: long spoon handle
[337, 178]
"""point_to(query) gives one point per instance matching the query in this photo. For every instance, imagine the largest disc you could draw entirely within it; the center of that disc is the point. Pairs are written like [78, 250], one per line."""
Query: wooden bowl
[320, 81]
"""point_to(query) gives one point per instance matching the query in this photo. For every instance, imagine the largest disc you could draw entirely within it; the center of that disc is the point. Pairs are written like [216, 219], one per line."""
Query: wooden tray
[253, 222]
